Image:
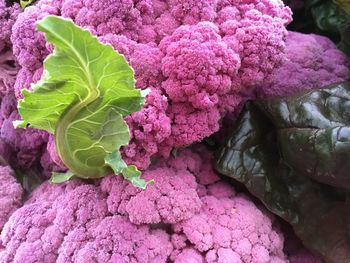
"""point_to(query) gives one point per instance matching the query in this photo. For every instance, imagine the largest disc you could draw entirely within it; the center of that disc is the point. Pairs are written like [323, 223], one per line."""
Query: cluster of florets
[189, 214]
[10, 194]
[313, 61]
[199, 58]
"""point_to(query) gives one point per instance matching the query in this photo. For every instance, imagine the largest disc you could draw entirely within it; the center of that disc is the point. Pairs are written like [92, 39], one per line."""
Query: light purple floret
[312, 62]
[8, 16]
[28, 144]
[10, 194]
[189, 215]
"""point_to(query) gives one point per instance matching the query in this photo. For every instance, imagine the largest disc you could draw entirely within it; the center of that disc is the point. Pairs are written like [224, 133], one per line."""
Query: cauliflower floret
[8, 72]
[236, 225]
[313, 61]
[193, 11]
[103, 17]
[191, 125]
[8, 16]
[8, 67]
[29, 46]
[172, 199]
[10, 194]
[198, 65]
[115, 239]
[149, 128]
[28, 143]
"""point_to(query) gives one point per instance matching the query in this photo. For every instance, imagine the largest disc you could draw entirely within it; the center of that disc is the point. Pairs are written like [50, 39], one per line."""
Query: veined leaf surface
[86, 90]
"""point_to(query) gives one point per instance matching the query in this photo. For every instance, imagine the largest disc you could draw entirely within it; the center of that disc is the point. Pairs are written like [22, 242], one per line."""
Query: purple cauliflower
[189, 215]
[199, 58]
[28, 144]
[313, 61]
[10, 194]
[8, 67]
[8, 72]
[8, 15]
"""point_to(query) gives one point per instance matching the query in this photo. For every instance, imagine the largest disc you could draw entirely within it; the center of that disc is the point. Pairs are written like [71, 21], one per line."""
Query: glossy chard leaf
[86, 91]
[313, 131]
[276, 171]
[330, 18]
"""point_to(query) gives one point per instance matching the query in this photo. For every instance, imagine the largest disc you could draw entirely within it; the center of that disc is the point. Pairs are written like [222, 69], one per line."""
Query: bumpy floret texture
[189, 215]
[28, 144]
[10, 194]
[313, 61]
[8, 68]
[8, 72]
[8, 16]
[199, 58]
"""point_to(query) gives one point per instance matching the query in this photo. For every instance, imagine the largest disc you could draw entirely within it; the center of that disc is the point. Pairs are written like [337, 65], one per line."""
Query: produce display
[174, 131]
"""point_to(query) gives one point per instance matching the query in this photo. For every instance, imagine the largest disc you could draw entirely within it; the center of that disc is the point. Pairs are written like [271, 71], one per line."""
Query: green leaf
[57, 178]
[329, 17]
[19, 124]
[115, 161]
[281, 149]
[86, 91]
[25, 3]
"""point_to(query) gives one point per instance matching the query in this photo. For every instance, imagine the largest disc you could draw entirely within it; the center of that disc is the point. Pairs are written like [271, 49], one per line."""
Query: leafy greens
[293, 154]
[86, 90]
[330, 18]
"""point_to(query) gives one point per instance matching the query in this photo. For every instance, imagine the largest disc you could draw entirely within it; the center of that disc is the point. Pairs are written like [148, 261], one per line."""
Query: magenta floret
[172, 199]
[8, 72]
[8, 16]
[313, 61]
[115, 239]
[198, 65]
[149, 128]
[28, 143]
[104, 17]
[8, 67]
[235, 225]
[192, 11]
[10, 194]
[29, 46]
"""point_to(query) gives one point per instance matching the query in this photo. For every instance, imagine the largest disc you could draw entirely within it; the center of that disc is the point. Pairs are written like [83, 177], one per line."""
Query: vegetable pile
[174, 131]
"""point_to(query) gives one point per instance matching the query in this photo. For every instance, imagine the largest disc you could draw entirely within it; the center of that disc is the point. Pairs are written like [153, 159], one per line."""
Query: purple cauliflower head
[10, 194]
[200, 58]
[313, 61]
[28, 144]
[8, 72]
[189, 215]
[8, 67]
[8, 15]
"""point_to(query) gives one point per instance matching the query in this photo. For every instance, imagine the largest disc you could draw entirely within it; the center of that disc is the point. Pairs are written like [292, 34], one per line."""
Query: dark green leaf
[271, 149]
